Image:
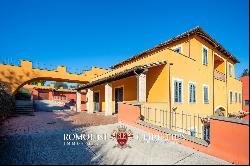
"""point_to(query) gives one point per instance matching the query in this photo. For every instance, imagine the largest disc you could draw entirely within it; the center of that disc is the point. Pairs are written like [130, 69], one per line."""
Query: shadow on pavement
[39, 139]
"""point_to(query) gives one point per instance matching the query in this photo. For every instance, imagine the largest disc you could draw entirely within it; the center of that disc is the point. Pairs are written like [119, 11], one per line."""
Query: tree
[77, 85]
[57, 85]
[245, 72]
[39, 81]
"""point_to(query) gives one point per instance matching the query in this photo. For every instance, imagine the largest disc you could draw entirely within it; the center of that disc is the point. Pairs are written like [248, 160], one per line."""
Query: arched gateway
[17, 76]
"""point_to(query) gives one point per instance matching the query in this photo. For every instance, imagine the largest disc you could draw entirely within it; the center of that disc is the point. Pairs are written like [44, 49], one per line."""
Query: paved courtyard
[45, 119]
[40, 139]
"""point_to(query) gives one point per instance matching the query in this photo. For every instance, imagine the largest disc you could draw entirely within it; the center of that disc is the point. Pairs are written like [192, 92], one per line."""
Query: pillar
[78, 101]
[141, 87]
[90, 108]
[50, 95]
[108, 99]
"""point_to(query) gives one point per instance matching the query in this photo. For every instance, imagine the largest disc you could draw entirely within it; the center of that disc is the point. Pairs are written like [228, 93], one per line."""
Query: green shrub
[7, 102]
[23, 94]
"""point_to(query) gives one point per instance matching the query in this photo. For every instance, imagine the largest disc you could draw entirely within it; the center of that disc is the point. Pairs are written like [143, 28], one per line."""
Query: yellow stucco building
[189, 73]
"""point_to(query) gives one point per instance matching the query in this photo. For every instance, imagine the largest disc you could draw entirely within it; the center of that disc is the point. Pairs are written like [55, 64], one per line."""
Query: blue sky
[99, 33]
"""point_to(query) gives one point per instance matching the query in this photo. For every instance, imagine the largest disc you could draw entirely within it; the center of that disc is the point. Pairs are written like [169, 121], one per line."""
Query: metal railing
[219, 75]
[10, 61]
[177, 121]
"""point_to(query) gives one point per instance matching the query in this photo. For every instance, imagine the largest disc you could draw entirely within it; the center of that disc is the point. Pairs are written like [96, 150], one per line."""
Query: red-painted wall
[128, 113]
[228, 140]
[70, 97]
[245, 91]
[62, 96]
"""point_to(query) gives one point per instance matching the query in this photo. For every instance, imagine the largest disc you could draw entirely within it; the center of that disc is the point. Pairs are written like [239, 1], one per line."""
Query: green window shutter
[175, 91]
[180, 92]
[190, 92]
[205, 94]
[194, 93]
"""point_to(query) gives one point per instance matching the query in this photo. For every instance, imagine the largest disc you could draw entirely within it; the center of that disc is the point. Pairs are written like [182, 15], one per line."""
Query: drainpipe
[170, 97]
[188, 46]
[213, 77]
[226, 86]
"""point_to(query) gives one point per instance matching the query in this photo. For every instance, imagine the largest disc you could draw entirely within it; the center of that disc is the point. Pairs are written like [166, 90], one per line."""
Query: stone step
[24, 107]
[26, 110]
[20, 103]
[27, 107]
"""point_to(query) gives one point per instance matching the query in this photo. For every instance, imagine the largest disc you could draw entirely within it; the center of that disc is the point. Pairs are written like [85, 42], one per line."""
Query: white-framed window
[204, 55]
[230, 97]
[236, 97]
[205, 94]
[230, 70]
[178, 48]
[192, 92]
[240, 100]
[178, 90]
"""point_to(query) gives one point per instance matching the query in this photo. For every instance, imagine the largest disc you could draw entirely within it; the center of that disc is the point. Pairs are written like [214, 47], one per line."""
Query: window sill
[178, 102]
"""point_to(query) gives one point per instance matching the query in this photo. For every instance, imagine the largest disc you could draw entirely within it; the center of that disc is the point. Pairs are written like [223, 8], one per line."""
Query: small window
[177, 49]
[177, 91]
[246, 103]
[204, 55]
[231, 97]
[205, 94]
[239, 97]
[230, 70]
[236, 97]
[192, 93]
[193, 132]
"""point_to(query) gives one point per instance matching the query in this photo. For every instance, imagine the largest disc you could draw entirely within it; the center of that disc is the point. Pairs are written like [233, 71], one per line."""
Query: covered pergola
[139, 71]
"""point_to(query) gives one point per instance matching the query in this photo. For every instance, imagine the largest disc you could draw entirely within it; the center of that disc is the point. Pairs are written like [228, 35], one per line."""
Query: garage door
[43, 96]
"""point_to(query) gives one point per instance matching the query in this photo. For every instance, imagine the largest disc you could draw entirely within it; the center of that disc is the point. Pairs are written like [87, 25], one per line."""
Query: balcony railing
[219, 75]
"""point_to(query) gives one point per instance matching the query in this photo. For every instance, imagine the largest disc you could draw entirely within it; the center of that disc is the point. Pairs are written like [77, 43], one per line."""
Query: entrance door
[118, 97]
[96, 102]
